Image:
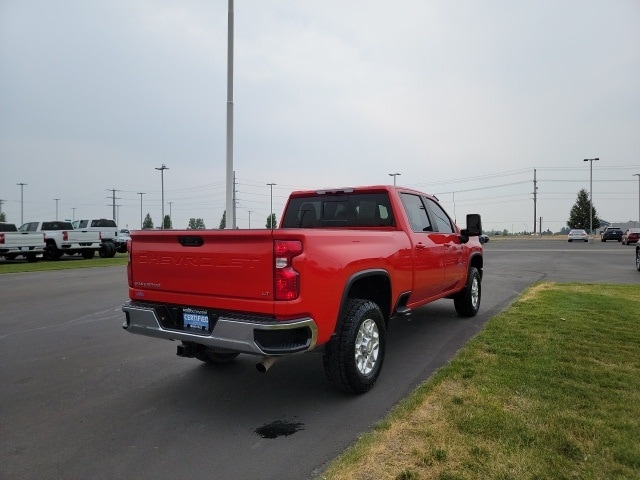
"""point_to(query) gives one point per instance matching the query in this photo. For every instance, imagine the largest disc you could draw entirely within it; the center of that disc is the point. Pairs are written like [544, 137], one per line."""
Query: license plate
[195, 319]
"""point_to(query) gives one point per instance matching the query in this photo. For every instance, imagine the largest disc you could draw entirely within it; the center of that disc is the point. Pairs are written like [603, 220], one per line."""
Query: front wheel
[467, 302]
[354, 356]
[638, 258]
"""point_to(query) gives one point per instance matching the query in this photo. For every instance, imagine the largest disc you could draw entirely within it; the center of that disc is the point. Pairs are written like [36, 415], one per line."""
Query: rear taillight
[129, 269]
[65, 236]
[1, 237]
[287, 279]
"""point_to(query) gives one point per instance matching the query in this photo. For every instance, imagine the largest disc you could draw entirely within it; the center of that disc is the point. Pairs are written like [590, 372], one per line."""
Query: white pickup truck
[61, 238]
[111, 240]
[14, 244]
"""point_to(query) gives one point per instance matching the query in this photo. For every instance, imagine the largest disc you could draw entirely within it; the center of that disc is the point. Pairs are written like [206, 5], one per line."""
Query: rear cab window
[339, 210]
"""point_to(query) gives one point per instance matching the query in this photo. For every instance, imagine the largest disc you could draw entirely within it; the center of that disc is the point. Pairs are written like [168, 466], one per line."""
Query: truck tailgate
[199, 267]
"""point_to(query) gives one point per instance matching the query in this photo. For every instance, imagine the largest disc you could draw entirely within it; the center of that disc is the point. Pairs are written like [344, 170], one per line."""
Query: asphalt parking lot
[81, 398]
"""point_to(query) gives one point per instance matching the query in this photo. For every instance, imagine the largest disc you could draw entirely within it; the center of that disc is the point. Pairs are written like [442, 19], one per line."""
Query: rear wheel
[467, 302]
[107, 250]
[638, 258]
[88, 253]
[51, 252]
[353, 358]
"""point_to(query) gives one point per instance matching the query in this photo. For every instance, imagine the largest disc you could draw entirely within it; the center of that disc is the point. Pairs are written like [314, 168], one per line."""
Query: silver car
[578, 235]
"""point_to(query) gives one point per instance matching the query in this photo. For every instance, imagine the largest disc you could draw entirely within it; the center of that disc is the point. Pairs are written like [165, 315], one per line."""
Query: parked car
[632, 235]
[484, 238]
[611, 233]
[578, 235]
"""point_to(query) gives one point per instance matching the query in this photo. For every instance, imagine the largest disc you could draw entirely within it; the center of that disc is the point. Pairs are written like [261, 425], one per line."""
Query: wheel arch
[477, 260]
[374, 285]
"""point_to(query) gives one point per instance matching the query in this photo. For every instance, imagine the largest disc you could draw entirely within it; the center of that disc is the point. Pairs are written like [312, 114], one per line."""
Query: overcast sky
[464, 99]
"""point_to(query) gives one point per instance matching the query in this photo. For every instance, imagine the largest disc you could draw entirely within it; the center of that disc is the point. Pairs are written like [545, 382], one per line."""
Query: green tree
[271, 221]
[223, 221]
[167, 222]
[147, 223]
[196, 224]
[3, 217]
[580, 214]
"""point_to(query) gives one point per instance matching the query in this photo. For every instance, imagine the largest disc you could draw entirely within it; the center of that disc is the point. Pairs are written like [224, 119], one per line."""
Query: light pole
[170, 216]
[394, 175]
[57, 200]
[141, 223]
[638, 175]
[271, 209]
[162, 169]
[21, 202]
[591, 160]
[249, 218]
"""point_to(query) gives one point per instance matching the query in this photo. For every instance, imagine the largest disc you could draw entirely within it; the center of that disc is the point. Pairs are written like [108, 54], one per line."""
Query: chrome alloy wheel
[475, 292]
[367, 347]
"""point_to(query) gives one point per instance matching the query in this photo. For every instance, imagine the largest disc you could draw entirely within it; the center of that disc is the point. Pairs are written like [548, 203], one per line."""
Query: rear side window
[56, 226]
[340, 211]
[103, 223]
[417, 213]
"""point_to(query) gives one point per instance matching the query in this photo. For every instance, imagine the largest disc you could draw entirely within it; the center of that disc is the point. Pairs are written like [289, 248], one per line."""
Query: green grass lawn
[66, 262]
[550, 389]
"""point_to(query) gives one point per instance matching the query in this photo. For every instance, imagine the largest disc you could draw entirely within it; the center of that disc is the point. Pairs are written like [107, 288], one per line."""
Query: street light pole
[638, 175]
[57, 200]
[394, 175]
[591, 160]
[21, 202]
[271, 209]
[162, 169]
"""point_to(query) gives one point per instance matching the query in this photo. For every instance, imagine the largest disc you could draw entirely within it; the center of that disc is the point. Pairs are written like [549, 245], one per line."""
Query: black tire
[467, 302]
[31, 257]
[11, 256]
[638, 258]
[51, 252]
[107, 250]
[354, 356]
[88, 253]
[121, 248]
[209, 355]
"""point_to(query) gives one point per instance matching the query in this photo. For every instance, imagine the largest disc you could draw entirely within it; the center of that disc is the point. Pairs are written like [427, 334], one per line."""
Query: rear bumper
[239, 333]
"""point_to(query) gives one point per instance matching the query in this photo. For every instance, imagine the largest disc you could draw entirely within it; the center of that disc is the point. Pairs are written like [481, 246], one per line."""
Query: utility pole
[57, 200]
[113, 201]
[591, 160]
[535, 200]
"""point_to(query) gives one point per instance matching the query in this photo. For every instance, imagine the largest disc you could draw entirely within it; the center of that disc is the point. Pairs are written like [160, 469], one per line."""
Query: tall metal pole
[162, 169]
[535, 201]
[21, 202]
[141, 222]
[271, 209]
[591, 160]
[57, 200]
[638, 175]
[230, 205]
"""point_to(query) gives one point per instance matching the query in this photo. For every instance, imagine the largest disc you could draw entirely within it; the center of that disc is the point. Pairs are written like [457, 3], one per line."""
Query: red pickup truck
[341, 265]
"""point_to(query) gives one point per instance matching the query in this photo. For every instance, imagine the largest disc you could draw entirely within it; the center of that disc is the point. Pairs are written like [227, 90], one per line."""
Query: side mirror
[474, 225]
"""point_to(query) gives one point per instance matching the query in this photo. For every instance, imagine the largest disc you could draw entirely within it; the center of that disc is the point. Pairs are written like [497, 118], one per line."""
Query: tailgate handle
[191, 241]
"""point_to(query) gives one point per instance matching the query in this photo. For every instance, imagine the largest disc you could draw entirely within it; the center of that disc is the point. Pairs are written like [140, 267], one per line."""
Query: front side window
[440, 217]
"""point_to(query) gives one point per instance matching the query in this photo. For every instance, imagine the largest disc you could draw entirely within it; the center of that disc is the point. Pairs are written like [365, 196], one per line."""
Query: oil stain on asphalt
[279, 428]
